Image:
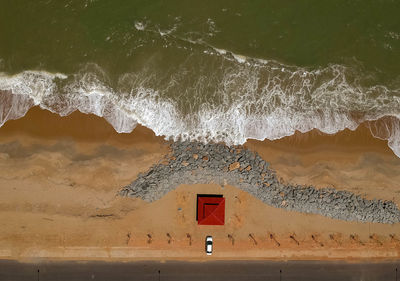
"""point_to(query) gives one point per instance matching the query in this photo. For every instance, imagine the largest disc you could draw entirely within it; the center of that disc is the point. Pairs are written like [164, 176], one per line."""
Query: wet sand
[351, 160]
[59, 178]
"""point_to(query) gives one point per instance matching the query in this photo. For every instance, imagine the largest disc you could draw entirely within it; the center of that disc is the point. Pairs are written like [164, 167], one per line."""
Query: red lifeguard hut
[210, 209]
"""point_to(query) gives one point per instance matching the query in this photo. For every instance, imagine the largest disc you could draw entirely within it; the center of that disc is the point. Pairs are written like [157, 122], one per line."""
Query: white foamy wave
[394, 136]
[24, 91]
[13, 106]
[252, 107]
[164, 32]
[140, 25]
[38, 88]
[220, 51]
[387, 128]
[239, 58]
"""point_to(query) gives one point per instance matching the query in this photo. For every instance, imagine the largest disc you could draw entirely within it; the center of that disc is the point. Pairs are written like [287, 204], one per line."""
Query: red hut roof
[210, 210]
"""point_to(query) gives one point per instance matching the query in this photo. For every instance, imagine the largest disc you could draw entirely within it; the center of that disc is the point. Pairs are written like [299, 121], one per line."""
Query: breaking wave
[244, 98]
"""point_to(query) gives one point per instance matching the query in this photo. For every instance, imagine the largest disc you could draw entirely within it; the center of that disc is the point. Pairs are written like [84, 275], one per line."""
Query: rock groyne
[194, 162]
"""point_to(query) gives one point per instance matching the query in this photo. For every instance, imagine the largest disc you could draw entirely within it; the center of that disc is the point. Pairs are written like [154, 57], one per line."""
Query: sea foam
[257, 101]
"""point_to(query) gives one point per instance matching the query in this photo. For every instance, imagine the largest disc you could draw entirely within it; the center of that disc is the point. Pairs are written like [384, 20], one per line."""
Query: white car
[209, 245]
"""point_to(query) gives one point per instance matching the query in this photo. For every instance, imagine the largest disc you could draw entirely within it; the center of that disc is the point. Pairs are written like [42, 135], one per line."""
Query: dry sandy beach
[60, 176]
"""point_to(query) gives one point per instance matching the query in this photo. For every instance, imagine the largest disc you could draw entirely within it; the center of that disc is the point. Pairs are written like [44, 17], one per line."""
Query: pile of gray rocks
[195, 162]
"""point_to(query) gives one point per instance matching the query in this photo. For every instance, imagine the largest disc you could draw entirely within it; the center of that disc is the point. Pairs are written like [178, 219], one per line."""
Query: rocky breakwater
[194, 162]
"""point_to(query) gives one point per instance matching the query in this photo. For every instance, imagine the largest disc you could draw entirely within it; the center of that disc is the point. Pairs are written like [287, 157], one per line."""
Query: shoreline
[60, 176]
[383, 127]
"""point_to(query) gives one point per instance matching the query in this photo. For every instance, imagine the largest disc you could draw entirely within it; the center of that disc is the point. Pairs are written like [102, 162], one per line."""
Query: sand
[351, 160]
[59, 178]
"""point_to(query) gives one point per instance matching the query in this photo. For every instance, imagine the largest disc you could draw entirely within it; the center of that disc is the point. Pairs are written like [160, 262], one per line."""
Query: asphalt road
[193, 271]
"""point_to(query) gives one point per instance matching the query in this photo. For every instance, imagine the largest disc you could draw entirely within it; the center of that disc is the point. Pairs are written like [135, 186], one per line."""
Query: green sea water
[206, 70]
[60, 35]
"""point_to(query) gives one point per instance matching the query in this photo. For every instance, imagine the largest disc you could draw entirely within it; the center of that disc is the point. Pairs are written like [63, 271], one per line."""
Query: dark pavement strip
[192, 271]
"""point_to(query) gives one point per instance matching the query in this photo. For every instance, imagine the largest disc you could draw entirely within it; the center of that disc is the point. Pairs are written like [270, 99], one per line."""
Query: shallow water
[224, 71]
